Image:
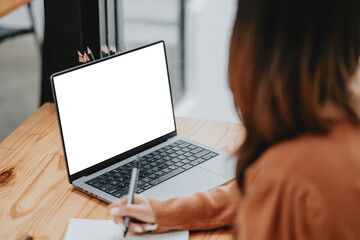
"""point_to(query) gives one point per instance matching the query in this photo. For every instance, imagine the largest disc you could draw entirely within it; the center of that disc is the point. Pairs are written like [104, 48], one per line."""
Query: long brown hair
[287, 59]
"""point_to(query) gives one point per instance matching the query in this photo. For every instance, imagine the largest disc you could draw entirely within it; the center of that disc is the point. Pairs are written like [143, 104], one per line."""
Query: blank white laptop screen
[113, 106]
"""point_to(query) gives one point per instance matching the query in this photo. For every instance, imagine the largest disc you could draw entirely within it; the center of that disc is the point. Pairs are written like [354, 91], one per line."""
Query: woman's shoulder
[312, 157]
[304, 180]
[308, 146]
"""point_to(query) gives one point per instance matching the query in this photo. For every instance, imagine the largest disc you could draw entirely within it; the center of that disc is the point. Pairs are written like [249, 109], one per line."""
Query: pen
[132, 188]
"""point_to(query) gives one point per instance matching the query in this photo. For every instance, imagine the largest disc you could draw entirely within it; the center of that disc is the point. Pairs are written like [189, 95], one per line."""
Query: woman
[291, 69]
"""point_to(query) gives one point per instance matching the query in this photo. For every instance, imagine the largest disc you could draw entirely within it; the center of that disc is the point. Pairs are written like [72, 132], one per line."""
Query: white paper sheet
[91, 229]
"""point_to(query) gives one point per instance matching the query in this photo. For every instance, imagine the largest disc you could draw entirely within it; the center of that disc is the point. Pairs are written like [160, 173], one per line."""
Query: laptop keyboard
[155, 168]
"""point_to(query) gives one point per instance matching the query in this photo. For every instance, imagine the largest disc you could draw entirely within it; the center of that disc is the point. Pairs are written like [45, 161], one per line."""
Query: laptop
[111, 111]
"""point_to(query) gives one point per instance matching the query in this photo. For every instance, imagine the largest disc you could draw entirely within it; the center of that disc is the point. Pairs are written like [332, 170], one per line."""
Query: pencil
[87, 59]
[91, 56]
[121, 51]
[106, 51]
[103, 54]
[112, 50]
[81, 57]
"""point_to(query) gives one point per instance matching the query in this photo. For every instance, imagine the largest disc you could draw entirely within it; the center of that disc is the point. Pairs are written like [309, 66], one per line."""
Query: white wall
[208, 29]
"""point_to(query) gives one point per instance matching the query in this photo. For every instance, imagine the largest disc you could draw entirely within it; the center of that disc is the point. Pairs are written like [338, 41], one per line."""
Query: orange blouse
[305, 188]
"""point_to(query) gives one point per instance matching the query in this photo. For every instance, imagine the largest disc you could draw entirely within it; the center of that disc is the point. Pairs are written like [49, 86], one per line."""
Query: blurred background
[196, 33]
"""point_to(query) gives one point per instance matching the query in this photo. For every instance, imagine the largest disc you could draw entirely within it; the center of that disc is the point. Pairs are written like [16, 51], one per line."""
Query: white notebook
[91, 229]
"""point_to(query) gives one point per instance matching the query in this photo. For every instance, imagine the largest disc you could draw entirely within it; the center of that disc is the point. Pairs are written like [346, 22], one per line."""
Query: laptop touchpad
[190, 182]
[222, 166]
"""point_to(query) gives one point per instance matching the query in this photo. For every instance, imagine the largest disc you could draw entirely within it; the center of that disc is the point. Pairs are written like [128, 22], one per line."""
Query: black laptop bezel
[127, 154]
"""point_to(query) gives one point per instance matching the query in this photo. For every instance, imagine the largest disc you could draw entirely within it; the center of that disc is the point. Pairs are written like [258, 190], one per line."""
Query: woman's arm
[200, 211]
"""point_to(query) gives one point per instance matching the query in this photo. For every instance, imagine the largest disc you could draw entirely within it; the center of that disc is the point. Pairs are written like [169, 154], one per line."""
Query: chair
[6, 33]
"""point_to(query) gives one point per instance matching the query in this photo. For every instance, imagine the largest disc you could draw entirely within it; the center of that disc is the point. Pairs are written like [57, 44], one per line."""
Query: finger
[119, 202]
[136, 228]
[135, 211]
[123, 201]
[119, 221]
[114, 211]
[141, 209]
[133, 227]
[150, 227]
[139, 228]
[138, 199]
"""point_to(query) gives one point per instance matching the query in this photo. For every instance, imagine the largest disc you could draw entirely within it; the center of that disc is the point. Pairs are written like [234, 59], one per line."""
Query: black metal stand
[70, 25]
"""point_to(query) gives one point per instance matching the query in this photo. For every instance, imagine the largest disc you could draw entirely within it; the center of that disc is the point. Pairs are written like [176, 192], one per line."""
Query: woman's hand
[141, 213]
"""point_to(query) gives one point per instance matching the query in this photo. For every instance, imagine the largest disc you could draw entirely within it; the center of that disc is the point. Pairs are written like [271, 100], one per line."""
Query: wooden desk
[36, 199]
[7, 6]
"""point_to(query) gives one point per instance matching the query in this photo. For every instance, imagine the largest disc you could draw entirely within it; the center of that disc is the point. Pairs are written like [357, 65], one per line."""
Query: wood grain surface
[7, 6]
[36, 199]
